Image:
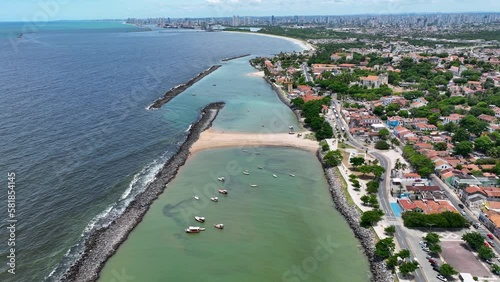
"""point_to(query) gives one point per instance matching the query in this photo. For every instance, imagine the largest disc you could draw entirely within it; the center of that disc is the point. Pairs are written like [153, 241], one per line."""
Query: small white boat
[196, 197]
[214, 199]
[194, 229]
[274, 175]
[222, 191]
[246, 172]
[219, 226]
[245, 151]
[259, 167]
[253, 185]
[199, 218]
[221, 179]
[290, 127]
[292, 175]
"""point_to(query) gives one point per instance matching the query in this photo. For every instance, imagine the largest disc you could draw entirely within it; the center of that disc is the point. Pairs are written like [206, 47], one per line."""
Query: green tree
[460, 135]
[392, 262]
[357, 161]
[365, 169]
[325, 147]
[384, 248]
[378, 110]
[474, 239]
[382, 145]
[432, 238]
[373, 201]
[384, 133]
[365, 199]
[483, 144]
[407, 267]
[377, 171]
[495, 268]
[447, 270]
[463, 148]
[370, 217]
[390, 230]
[473, 124]
[372, 187]
[333, 158]
[435, 249]
[404, 253]
[485, 252]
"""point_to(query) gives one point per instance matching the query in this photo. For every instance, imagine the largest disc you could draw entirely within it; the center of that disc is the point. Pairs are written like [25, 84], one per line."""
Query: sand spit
[104, 242]
[170, 94]
[211, 139]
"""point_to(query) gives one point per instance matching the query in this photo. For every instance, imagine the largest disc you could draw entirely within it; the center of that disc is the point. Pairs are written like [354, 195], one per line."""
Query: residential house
[455, 118]
[487, 118]
[374, 81]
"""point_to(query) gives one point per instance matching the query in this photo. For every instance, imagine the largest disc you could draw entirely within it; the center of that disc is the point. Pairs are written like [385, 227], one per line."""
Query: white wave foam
[139, 182]
[189, 128]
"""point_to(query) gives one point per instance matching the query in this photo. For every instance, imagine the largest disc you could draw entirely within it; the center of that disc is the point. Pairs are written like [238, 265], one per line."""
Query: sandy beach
[256, 74]
[302, 43]
[210, 139]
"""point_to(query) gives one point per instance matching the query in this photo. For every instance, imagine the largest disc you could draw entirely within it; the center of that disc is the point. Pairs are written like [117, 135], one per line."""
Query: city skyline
[26, 10]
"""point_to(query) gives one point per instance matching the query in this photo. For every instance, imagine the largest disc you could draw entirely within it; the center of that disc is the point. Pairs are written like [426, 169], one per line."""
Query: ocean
[76, 132]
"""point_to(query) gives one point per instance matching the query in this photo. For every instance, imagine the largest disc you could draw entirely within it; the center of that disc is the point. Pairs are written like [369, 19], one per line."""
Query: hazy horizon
[53, 10]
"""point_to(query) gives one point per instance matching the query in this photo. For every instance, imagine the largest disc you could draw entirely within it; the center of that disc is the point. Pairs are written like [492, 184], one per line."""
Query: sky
[46, 10]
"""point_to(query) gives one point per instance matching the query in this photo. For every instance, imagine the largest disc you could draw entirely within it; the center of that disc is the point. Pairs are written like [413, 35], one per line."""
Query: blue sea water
[75, 130]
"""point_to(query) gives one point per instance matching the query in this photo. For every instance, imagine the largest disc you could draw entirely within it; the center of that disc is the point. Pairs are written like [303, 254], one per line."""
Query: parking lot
[462, 259]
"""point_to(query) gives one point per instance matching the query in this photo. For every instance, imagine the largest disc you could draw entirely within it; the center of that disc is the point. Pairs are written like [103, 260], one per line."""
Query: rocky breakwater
[353, 216]
[170, 94]
[103, 243]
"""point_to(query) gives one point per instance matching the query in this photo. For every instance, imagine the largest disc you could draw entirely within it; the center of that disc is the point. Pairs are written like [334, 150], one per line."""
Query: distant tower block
[289, 84]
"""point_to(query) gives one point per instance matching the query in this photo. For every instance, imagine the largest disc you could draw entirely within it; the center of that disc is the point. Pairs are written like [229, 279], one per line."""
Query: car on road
[435, 268]
[491, 243]
[461, 206]
[476, 225]
[441, 277]
[489, 261]
[425, 249]
[490, 236]
[432, 261]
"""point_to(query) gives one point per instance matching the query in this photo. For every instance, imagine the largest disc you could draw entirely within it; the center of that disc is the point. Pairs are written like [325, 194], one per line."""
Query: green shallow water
[286, 229]
[251, 104]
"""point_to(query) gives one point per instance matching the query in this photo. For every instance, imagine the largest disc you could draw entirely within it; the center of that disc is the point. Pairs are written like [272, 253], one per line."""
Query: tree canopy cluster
[311, 112]
[445, 219]
[422, 164]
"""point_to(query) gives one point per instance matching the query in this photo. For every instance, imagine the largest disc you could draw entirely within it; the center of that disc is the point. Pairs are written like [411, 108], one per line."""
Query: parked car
[422, 243]
[491, 243]
[428, 257]
[489, 261]
[490, 236]
[435, 268]
[425, 249]
[441, 277]
[476, 225]
[461, 206]
[432, 261]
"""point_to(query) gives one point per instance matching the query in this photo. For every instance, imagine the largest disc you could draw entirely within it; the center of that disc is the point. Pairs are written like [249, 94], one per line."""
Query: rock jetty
[170, 94]
[352, 215]
[104, 242]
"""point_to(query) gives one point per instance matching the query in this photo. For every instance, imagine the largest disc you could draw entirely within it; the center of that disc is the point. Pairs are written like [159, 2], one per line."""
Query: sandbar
[210, 139]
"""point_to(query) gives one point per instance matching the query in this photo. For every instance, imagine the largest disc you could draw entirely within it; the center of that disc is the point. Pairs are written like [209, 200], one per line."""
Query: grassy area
[344, 189]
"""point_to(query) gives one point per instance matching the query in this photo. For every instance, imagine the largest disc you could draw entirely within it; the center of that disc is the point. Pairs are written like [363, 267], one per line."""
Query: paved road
[305, 71]
[400, 234]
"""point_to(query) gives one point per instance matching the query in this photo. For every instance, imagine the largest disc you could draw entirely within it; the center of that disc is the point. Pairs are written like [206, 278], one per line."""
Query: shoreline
[176, 90]
[302, 43]
[352, 216]
[365, 236]
[104, 242]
